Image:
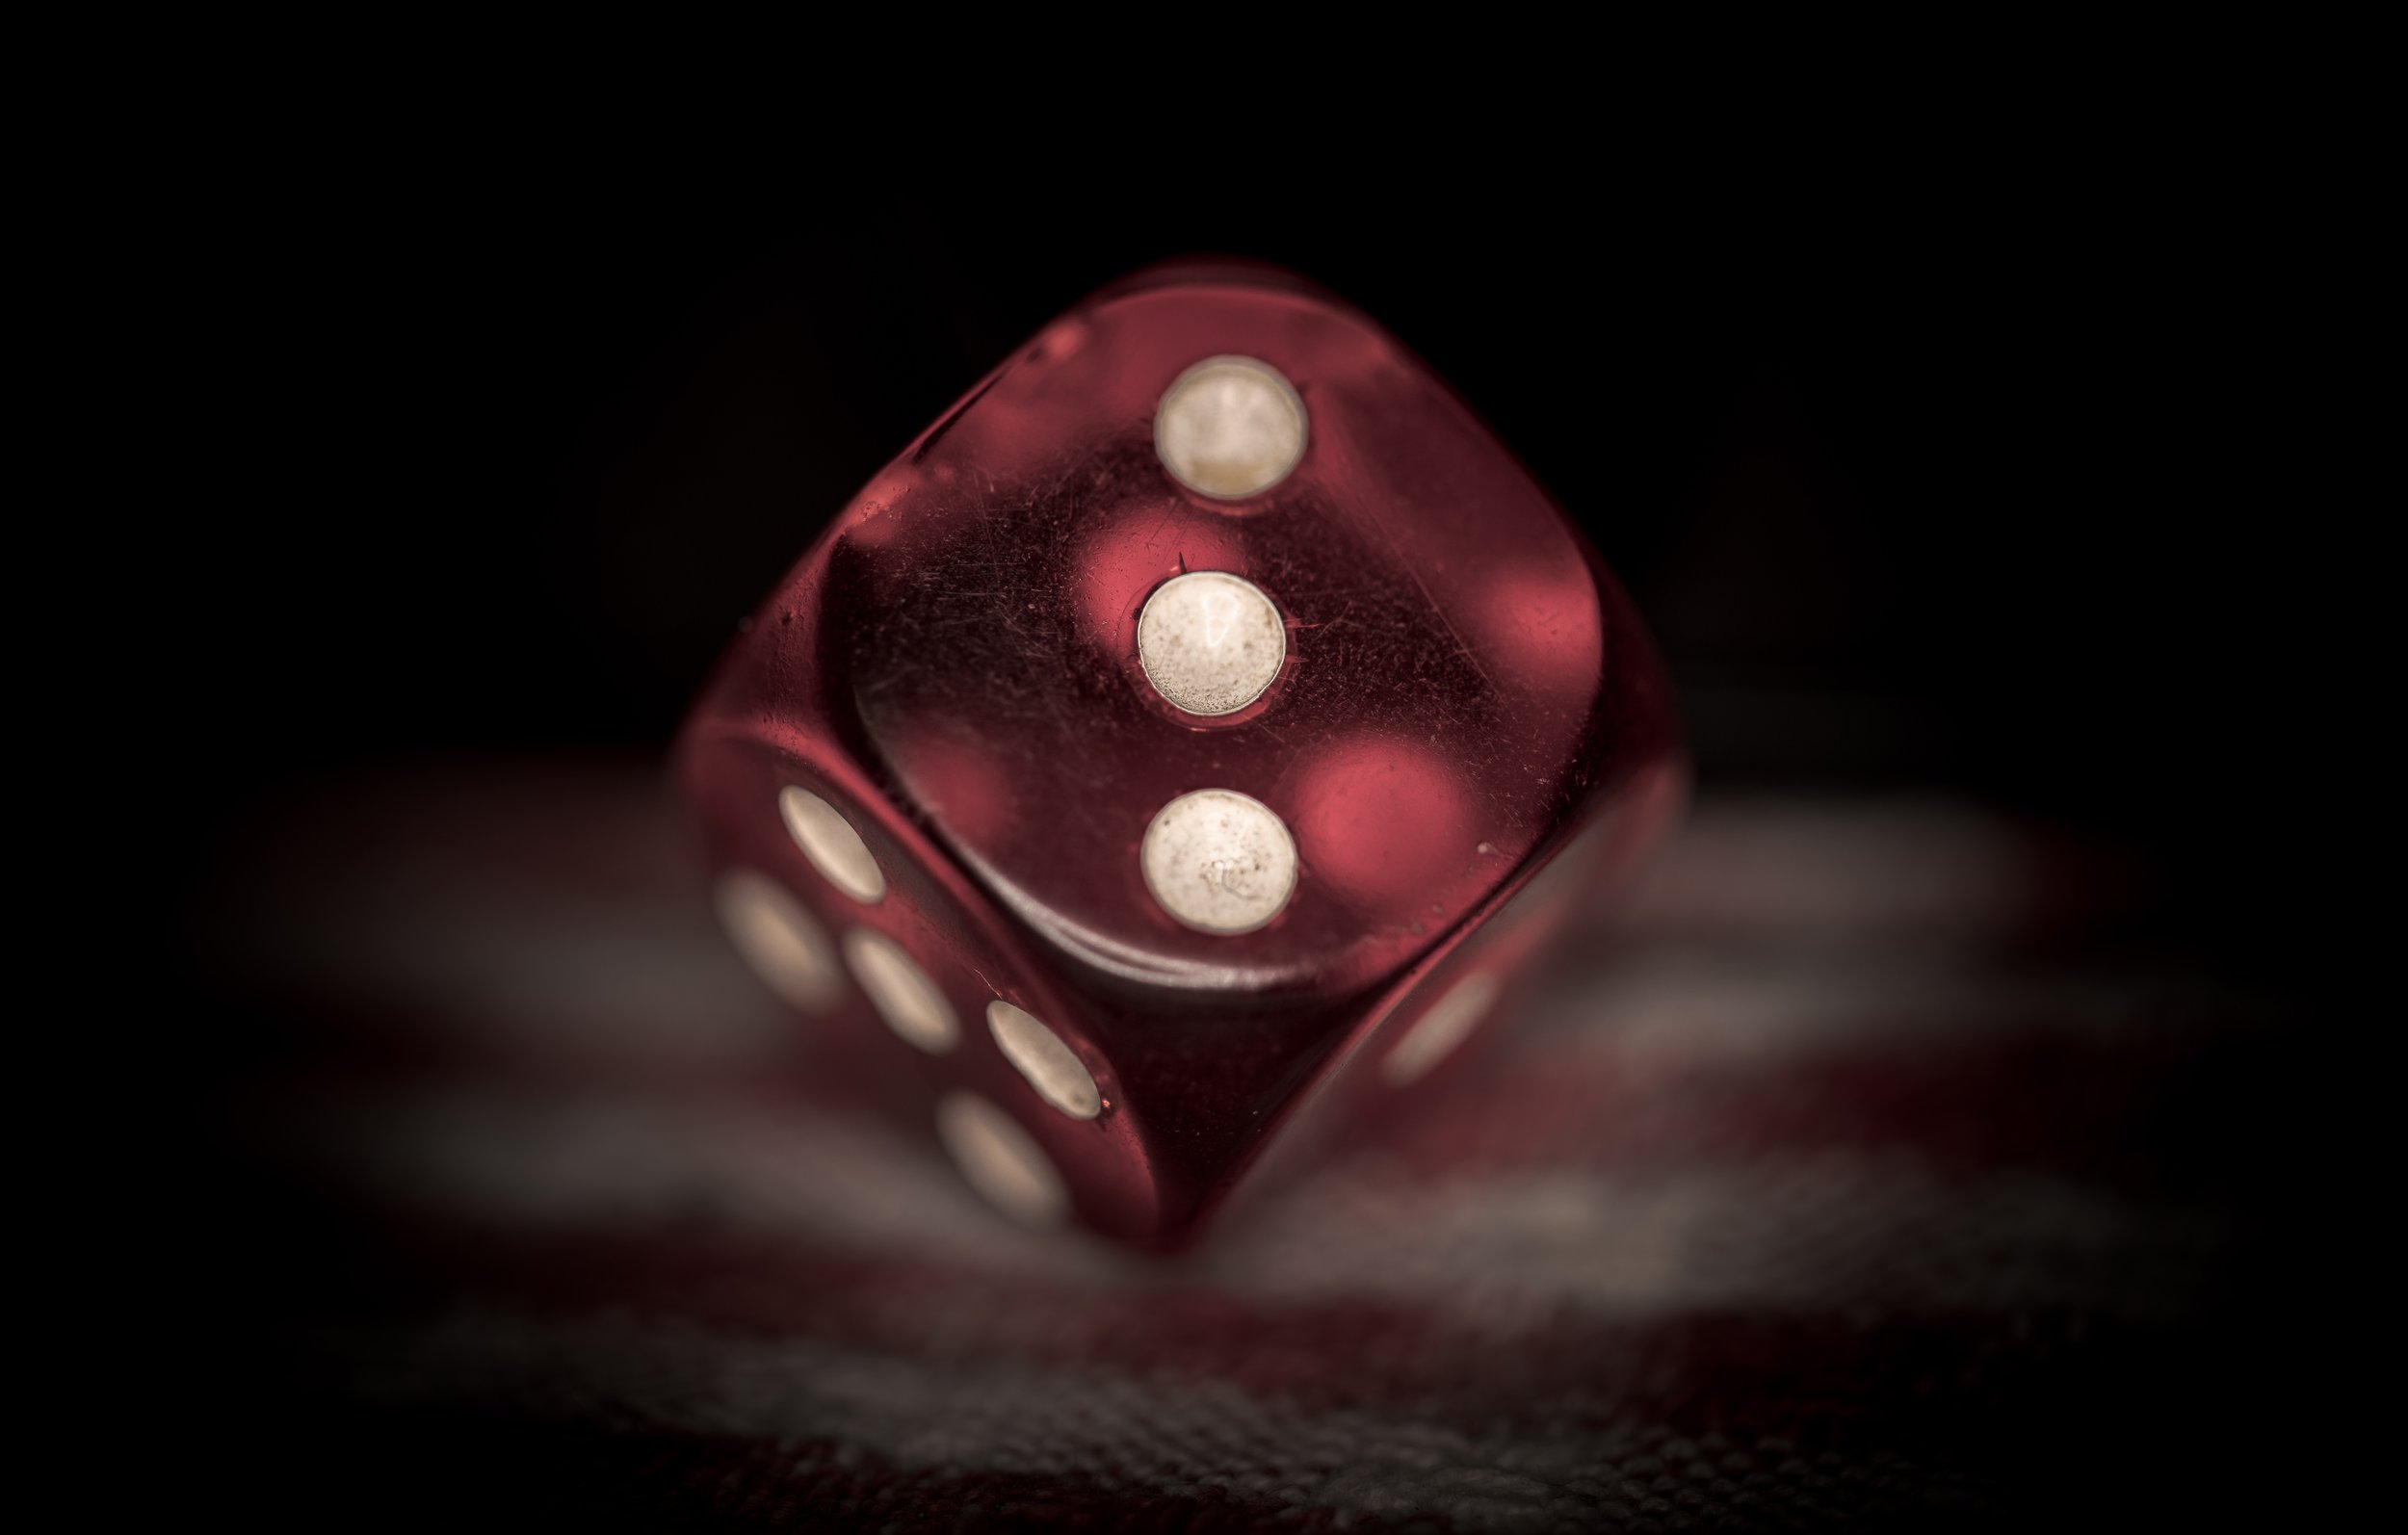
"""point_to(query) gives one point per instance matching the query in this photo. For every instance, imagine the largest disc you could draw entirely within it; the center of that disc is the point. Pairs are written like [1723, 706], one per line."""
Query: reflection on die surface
[1184, 743]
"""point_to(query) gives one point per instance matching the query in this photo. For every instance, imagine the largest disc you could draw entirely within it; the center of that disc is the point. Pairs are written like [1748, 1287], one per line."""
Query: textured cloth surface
[1872, 1166]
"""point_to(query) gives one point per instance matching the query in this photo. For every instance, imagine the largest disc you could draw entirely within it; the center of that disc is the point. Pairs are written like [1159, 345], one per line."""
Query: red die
[1158, 743]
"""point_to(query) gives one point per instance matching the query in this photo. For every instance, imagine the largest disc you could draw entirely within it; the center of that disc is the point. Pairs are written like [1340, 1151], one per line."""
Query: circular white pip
[1210, 641]
[1230, 428]
[1001, 1159]
[910, 1002]
[783, 943]
[835, 849]
[1040, 1055]
[1219, 861]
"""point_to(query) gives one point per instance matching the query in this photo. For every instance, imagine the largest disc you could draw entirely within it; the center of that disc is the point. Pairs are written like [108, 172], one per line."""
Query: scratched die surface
[1143, 768]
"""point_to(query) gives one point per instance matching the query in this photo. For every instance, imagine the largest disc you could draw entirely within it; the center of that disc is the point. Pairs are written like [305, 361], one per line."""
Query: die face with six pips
[1158, 744]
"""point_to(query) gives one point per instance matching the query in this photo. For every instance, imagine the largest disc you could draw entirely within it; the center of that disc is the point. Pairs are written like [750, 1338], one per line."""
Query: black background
[1958, 472]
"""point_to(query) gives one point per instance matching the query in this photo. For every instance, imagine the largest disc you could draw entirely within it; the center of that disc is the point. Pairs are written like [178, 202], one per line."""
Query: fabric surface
[1872, 1167]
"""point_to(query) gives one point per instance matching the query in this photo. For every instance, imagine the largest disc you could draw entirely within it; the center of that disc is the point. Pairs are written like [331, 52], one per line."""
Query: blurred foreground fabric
[1876, 1166]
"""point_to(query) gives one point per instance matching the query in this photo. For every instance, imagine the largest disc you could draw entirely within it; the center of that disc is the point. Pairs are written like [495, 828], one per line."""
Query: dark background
[1961, 474]
[1957, 472]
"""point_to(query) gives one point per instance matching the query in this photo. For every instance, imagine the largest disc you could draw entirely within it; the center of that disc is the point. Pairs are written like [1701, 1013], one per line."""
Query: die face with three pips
[1151, 760]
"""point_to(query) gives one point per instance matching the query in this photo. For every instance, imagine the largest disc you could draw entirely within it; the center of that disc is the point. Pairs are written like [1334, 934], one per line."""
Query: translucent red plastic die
[1156, 764]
